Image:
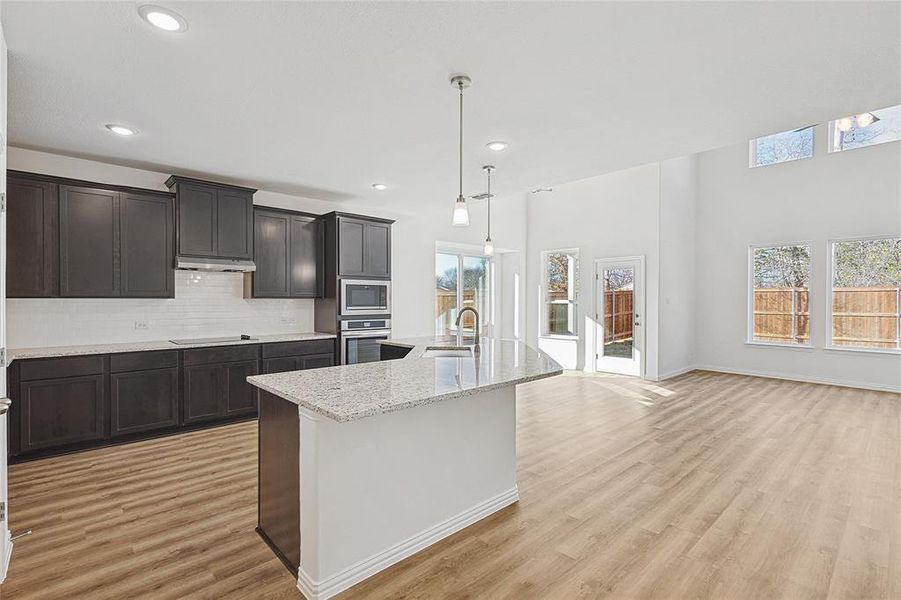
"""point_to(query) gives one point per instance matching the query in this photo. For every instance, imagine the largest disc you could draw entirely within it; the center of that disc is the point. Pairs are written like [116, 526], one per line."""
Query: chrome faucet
[460, 317]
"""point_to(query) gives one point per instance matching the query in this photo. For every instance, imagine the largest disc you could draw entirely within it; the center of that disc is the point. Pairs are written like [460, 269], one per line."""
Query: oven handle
[352, 333]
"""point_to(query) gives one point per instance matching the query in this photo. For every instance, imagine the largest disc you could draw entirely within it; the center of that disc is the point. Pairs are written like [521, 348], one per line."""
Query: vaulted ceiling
[324, 99]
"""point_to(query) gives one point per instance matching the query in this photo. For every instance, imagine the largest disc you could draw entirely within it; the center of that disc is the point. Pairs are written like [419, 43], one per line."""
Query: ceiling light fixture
[844, 124]
[489, 245]
[461, 212]
[163, 18]
[496, 146]
[866, 119]
[380, 186]
[121, 129]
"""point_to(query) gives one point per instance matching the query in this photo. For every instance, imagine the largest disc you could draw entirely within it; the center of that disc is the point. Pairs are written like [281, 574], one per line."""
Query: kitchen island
[364, 465]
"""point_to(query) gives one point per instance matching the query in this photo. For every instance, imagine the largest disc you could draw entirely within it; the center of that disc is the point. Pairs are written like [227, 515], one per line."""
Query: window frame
[749, 332]
[574, 302]
[752, 147]
[830, 271]
[486, 321]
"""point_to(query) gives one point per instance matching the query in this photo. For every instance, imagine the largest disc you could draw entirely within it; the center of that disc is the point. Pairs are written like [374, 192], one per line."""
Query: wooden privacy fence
[866, 316]
[446, 309]
[618, 315]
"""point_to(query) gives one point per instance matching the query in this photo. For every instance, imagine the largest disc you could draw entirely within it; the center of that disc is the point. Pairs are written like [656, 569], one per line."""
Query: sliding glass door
[462, 280]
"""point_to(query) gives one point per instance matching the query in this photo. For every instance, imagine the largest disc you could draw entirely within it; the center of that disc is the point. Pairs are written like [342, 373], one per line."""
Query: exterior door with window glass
[461, 281]
[619, 315]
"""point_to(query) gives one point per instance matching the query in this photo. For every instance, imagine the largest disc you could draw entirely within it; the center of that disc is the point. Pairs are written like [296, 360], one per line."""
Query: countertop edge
[14, 354]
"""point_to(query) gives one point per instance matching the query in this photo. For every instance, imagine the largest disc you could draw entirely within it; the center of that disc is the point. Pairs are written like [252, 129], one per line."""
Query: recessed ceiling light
[496, 146]
[163, 18]
[121, 129]
[380, 186]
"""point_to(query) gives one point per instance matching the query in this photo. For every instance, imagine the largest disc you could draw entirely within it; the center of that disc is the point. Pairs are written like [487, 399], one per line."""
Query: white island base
[373, 491]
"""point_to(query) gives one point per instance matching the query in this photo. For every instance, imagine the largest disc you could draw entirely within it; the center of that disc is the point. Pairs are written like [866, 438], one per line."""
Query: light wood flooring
[704, 486]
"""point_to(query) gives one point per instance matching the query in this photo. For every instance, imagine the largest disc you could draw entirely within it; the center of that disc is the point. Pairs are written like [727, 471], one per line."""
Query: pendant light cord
[461, 139]
[489, 204]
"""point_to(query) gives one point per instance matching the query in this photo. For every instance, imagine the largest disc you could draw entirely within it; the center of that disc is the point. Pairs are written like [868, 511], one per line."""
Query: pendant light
[461, 211]
[489, 245]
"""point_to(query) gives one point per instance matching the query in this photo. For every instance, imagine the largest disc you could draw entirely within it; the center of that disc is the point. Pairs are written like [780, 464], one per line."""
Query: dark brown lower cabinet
[240, 397]
[72, 403]
[203, 393]
[143, 400]
[56, 412]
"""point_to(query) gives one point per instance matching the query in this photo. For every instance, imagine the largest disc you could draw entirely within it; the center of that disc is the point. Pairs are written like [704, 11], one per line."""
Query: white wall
[608, 216]
[853, 193]
[40, 322]
[678, 193]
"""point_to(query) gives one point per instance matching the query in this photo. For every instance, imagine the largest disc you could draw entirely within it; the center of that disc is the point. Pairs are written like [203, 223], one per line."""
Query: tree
[868, 263]
[782, 267]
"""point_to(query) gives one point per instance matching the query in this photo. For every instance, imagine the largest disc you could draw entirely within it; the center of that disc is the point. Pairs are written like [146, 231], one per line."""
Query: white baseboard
[340, 581]
[676, 373]
[4, 566]
[806, 379]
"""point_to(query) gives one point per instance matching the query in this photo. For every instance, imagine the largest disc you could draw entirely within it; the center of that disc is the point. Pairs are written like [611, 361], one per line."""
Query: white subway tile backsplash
[205, 304]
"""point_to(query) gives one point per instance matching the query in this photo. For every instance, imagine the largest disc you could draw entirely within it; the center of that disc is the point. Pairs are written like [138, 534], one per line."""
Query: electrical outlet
[288, 320]
[142, 324]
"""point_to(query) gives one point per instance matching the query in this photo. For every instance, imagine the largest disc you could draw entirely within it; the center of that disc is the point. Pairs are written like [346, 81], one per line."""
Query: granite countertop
[349, 392]
[60, 351]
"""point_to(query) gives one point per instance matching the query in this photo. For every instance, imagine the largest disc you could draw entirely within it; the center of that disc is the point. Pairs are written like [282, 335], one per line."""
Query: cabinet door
[197, 208]
[146, 229]
[32, 227]
[315, 361]
[377, 250]
[306, 257]
[88, 242]
[55, 412]
[203, 393]
[143, 400]
[282, 364]
[351, 247]
[272, 238]
[234, 228]
[240, 396]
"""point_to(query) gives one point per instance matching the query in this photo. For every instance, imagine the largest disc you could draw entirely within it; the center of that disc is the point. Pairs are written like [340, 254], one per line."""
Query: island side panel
[279, 478]
[384, 487]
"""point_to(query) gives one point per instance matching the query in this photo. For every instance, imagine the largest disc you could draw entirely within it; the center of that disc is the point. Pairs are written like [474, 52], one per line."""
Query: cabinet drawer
[203, 356]
[298, 348]
[140, 361]
[50, 368]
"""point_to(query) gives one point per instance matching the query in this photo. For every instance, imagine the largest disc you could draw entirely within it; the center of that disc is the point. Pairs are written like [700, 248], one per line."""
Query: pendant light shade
[461, 211]
[489, 245]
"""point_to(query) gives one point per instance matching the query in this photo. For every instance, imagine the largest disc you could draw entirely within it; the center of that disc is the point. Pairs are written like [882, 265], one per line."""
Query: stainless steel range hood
[193, 263]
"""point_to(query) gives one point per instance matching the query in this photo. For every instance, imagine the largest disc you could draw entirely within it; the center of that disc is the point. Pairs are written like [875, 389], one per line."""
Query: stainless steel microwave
[365, 297]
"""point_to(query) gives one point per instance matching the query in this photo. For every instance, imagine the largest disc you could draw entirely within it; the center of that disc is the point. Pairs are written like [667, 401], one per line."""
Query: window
[865, 129]
[561, 292]
[780, 296]
[781, 147]
[866, 293]
[453, 292]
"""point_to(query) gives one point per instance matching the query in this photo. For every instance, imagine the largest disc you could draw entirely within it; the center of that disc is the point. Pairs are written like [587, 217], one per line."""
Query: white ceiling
[323, 99]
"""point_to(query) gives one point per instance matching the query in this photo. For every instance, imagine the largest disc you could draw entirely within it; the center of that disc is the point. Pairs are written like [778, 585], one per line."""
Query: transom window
[865, 129]
[780, 147]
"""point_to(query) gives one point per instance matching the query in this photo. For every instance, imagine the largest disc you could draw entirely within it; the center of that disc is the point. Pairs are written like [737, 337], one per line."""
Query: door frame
[599, 264]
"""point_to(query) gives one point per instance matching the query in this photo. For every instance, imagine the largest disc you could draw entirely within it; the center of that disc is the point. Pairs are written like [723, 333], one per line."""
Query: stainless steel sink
[443, 351]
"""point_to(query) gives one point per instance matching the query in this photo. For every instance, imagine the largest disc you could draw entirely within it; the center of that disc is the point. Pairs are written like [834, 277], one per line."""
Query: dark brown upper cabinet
[32, 227]
[89, 255]
[287, 253]
[73, 238]
[356, 246]
[213, 219]
[147, 230]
